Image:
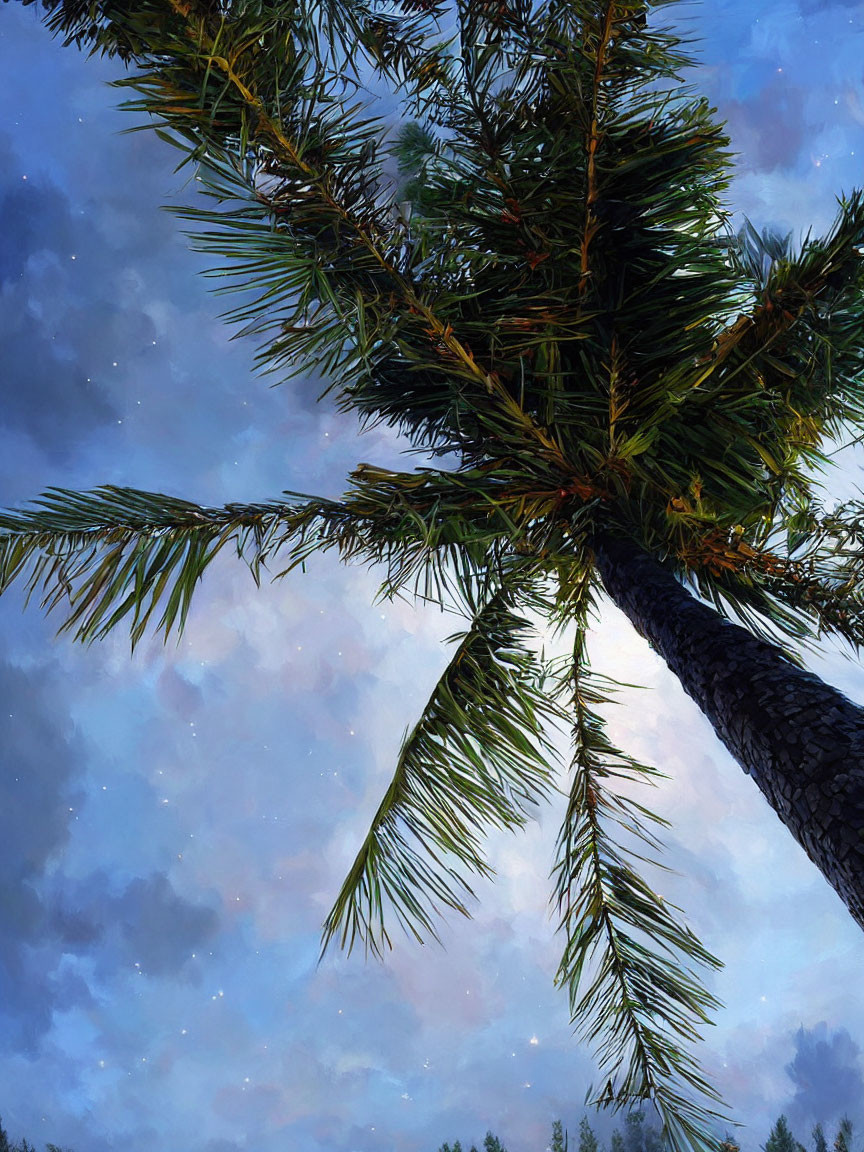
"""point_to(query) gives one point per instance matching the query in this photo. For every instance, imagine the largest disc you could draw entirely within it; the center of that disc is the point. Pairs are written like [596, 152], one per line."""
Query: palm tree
[611, 391]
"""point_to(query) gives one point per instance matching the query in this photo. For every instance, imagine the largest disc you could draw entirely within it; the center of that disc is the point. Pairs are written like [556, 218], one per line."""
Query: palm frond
[475, 760]
[779, 598]
[627, 957]
[114, 552]
[335, 266]
[801, 336]
[795, 586]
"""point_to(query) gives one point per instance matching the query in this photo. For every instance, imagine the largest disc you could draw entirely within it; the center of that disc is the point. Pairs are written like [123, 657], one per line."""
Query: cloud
[808, 7]
[47, 920]
[769, 128]
[43, 759]
[48, 386]
[158, 925]
[276, 725]
[826, 1072]
[42, 763]
[147, 925]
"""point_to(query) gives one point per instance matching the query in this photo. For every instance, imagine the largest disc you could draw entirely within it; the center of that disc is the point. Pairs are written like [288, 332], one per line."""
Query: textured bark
[801, 740]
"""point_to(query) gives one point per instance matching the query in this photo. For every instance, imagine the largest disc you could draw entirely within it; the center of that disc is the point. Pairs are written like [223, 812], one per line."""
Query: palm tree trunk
[801, 740]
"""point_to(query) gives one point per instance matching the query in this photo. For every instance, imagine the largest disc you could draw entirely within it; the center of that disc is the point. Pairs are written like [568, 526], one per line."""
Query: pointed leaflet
[474, 760]
[116, 552]
[113, 552]
[630, 993]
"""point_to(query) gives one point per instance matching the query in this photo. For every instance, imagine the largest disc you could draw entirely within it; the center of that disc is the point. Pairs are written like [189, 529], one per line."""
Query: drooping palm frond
[789, 373]
[476, 759]
[114, 552]
[779, 596]
[106, 554]
[118, 552]
[627, 960]
[791, 581]
[297, 177]
[827, 569]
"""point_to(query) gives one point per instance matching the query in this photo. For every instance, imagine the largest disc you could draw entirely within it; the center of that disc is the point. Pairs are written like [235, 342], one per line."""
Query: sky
[174, 824]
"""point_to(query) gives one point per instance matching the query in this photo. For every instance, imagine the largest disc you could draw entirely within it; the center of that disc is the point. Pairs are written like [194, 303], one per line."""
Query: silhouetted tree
[558, 1143]
[639, 1136]
[780, 1139]
[843, 1139]
[492, 1144]
[587, 1139]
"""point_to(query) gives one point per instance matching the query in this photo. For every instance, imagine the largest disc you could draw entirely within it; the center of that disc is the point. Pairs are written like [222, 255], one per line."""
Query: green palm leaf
[114, 552]
[475, 760]
[631, 995]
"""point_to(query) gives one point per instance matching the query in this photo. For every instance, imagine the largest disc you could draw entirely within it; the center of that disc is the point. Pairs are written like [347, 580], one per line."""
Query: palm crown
[531, 280]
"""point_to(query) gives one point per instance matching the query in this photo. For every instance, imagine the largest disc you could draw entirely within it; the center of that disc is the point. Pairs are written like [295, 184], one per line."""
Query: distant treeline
[23, 1145]
[636, 1136]
[640, 1136]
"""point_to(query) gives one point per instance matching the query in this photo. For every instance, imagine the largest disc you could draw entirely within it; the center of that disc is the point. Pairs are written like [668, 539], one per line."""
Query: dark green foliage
[423, 811]
[492, 1144]
[780, 1139]
[587, 1139]
[639, 1136]
[415, 147]
[843, 1139]
[22, 1145]
[559, 315]
[559, 1141]
[601, 898]
[820, 1144]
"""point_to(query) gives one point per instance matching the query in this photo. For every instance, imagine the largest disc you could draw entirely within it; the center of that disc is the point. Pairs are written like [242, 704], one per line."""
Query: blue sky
[175, 824]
